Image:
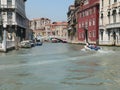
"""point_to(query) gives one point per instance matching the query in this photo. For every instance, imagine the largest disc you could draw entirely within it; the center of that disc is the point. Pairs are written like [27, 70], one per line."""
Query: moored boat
[38, 42]
[25, 44]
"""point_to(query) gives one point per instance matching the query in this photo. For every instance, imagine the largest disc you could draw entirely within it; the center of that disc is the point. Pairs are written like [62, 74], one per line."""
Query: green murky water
[56, 66]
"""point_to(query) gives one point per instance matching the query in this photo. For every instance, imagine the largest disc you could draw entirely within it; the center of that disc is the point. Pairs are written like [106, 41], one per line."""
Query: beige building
[38, 26]
[59, 29]
[109, 25]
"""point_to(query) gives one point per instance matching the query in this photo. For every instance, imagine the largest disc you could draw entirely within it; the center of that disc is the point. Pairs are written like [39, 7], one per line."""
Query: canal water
[58, 66]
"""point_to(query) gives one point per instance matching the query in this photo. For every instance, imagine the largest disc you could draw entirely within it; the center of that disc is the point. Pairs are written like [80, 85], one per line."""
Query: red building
[88, 21]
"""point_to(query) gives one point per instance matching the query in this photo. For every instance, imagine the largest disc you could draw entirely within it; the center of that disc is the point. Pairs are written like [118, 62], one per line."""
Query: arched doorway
[114, 38]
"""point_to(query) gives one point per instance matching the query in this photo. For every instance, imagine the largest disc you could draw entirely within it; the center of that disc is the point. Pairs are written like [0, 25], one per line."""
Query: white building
[109, 25]
[13, 19]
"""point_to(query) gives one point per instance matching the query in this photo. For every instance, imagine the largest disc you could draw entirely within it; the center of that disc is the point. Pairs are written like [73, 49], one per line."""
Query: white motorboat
[92, 47]
[25, 44]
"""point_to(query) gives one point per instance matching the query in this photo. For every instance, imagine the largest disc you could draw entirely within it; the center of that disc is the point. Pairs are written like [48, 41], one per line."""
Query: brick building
[88, 21]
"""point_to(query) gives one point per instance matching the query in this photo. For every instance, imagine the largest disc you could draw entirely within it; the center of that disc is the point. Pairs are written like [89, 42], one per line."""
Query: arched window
[102, 3]
[115, 1]
[114, 16]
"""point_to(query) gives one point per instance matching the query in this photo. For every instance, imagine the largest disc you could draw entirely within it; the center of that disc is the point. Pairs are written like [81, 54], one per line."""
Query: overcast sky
[55, 10]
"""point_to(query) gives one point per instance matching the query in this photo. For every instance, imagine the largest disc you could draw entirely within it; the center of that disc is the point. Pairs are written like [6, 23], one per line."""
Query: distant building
[48, 30]
[59, 29]
[71, 26]
[13, 18]
[88, 21]
[38, 26]
[29, 32]
[109, 27]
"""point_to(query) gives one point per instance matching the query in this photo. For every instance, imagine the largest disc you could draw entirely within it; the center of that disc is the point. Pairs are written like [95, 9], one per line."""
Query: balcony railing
[115, 5]
[113, 25]
[6, 6]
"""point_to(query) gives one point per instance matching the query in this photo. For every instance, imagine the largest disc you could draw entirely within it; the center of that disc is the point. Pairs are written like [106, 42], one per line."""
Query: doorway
[86, 35]
[114, 38]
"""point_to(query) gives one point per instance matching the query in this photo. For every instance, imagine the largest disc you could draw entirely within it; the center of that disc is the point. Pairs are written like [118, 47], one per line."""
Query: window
[86, 13]
[101, 15]
[90, 22]
[86, 24]
[102, 3]
[114, 16]
[86, 2]
[9, 3]
[82, 24]
[109, 2]
[93, 21]
[90, 11]
[108, 34]
[82, 35]
[115, 1]
[101, 35]
[94, 10]
[79, 25]
[109, 17]
[94, 33]
[9, 17]
[79, 35]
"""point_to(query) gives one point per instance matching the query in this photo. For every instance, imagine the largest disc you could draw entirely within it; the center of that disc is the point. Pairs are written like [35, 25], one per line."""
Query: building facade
[13, 19]
[38, 26]
[59, 29]
[109, 27]
[71, 25]
[88, 21]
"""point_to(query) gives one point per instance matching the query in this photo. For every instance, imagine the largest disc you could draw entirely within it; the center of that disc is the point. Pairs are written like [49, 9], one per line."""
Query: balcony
[7, 7]
[115, 5]
[102, 27]
[113, 25]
